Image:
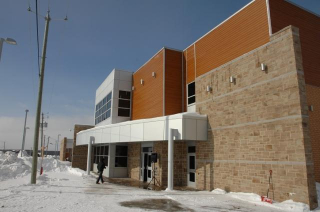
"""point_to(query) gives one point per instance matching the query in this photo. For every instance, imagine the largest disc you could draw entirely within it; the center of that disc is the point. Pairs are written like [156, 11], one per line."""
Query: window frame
[121, 156]
[100, 152]
[124, 99]
[102, 111]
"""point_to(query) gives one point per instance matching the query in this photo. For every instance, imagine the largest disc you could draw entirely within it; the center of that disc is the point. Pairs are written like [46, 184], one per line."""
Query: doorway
[146, 165]
[191, 171]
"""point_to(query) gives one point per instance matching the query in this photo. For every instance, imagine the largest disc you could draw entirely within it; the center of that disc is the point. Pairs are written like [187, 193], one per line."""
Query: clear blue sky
[100, 35]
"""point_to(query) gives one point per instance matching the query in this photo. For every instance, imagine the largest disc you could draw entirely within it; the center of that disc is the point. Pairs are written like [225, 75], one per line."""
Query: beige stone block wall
[79, 154]
[313, 98]
[257, 124]
[134, 160]
[161, 148]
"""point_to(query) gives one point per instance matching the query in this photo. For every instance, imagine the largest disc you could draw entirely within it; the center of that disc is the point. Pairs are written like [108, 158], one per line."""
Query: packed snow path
[62, 188]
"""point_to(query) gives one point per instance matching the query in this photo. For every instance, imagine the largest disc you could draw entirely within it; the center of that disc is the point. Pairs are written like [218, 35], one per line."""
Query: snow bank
[13, 165]
[288, 205]
[218, 191]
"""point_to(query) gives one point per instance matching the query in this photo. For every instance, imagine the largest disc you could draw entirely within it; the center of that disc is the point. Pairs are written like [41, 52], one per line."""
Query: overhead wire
[30, 48]
[62, 36]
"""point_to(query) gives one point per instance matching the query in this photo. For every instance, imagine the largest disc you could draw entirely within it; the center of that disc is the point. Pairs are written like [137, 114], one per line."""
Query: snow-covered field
[62, 188]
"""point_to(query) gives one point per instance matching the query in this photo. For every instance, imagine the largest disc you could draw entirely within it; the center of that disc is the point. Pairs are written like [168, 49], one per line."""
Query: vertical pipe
[170, 160]
[89, 155]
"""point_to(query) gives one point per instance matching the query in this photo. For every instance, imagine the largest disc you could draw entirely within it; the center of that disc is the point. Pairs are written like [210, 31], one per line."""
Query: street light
[8, 41]
[57, 144]
[24, 132]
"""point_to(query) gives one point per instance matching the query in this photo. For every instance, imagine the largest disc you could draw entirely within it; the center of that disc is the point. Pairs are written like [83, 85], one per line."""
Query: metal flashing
[269, 17]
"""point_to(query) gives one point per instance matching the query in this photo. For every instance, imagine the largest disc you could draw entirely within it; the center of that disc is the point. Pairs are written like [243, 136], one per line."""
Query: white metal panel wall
[189, 127]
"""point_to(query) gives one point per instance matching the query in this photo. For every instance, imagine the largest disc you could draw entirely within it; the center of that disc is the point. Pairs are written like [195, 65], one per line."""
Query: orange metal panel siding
[147, 99]
[184, 83]
[245, 31]
[313, 98]
[173, 82]
[190, 65]
[283, 14]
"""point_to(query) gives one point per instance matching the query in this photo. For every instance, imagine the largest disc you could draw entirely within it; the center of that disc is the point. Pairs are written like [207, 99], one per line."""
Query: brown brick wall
[313, 98]
[63, 145]
[79, 154]
[258, 123]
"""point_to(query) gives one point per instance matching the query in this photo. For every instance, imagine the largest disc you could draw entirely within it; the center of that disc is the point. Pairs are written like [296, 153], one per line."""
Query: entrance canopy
[188, 126]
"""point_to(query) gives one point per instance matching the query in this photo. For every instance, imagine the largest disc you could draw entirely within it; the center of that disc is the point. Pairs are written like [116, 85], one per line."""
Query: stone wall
[313, 98]
[258, 123]
[134, 154]
[161, 148]
[79, 154]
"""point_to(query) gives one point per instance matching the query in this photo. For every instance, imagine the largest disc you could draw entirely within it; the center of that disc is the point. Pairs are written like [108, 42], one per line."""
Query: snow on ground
[62, 188]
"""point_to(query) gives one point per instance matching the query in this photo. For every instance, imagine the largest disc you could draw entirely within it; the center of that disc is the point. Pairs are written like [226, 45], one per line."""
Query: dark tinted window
[123, 112]
[124, 103]
[121, 162]
[191, 177]
[191, 149]
[124, 94]
[191, 89]
[191, 100]
[121, 151]
[192, 162]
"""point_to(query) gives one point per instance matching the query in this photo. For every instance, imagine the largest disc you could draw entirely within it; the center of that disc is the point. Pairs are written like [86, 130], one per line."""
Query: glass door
[191, 166]
[146, 165]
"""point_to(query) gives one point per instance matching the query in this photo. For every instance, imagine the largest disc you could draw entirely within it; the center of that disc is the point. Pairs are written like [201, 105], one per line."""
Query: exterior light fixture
[232, 79]
[209, 88]
[310, 107]
[132, 88]
[263, 67]
[154, 74]
[141, 81]
[8, 41]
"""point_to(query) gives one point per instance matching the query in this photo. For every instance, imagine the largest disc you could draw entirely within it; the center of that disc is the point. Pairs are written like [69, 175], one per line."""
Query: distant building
[66, 146]
[240, 101]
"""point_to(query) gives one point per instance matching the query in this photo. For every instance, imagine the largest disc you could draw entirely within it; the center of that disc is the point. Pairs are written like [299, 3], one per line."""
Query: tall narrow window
[124, 103]
[101, 152]
[191, 93]
[103, 109]
[121, 159]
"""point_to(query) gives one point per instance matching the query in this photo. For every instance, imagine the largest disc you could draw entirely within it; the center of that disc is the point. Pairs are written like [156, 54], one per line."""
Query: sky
[100, 35]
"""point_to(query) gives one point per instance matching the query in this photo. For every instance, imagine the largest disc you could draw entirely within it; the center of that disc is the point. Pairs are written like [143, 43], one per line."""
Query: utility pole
[47, 146]
[57, 145]
[36, 129]
[41, 126]
[24, 132]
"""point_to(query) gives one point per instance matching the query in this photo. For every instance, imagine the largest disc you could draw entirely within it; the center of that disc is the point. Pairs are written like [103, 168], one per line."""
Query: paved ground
[69, 192]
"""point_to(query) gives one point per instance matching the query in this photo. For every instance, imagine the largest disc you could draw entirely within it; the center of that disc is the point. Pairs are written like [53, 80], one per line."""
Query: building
[66, 146]
[240, 101]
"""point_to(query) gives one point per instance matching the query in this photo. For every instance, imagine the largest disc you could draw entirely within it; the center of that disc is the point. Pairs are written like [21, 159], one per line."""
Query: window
[99, 153]
[103, 109]
[124, 103]
[191, 93]
[121, 159]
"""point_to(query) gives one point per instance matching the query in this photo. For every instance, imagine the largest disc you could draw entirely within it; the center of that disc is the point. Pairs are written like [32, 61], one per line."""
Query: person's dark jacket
[101, 166]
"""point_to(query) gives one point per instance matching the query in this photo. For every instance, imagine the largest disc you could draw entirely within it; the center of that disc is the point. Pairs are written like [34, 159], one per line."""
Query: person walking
[101, 166]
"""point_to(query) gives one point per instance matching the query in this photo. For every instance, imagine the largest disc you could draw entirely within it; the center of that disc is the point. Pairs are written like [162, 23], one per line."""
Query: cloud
[11, 129]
